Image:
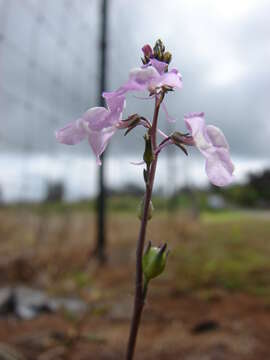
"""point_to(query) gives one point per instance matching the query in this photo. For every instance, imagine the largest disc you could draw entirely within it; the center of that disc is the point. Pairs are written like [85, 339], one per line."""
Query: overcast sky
[222, 49]
[49, 68]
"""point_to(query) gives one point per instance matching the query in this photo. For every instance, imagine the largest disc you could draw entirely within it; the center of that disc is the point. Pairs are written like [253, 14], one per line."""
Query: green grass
[222, 216]
[232, 253]
[53, 207]
[226, 249]
[125, 203]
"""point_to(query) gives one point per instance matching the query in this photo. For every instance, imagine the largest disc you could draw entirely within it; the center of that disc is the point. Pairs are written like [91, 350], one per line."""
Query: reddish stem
[139, 293]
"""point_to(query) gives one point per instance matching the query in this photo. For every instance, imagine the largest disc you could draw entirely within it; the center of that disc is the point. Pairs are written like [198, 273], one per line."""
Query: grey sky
[221, 48]
[49, 76]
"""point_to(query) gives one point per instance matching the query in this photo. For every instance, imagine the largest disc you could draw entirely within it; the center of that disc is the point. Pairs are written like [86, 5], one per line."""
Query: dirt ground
[53, 253]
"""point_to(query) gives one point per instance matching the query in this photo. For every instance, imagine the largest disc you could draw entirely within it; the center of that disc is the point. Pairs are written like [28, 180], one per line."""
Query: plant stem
[139, 290]
[145, 288]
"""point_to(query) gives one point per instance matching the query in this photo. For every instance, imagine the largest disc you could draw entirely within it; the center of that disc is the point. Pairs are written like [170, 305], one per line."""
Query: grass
[124, 203]
[230, 251]
[227, 250]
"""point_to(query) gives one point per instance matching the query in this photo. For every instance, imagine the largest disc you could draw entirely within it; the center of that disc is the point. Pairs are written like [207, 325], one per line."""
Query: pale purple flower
[97, 124]
[212, 144]
[151, 77]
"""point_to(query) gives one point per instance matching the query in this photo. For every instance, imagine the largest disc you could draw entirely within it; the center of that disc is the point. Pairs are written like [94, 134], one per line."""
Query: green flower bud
[148, 155]
[141, 209]
[159, 49]
[167, 57]
[154, 261]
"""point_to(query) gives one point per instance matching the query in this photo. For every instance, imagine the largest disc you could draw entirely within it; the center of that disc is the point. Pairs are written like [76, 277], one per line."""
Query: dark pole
[101, 200]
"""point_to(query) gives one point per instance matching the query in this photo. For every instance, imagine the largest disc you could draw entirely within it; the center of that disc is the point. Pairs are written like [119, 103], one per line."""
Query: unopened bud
[154, 261]
[167, 57]
[160, 44]
[159, 49]
[147, 51]
[141, 210]
[148, 156]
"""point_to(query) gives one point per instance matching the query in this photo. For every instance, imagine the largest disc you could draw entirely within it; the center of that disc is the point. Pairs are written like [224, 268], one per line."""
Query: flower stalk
[99, 124]
[140, 286]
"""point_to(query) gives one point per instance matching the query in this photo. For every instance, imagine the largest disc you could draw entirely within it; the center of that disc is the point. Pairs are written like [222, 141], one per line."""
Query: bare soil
[53, 252]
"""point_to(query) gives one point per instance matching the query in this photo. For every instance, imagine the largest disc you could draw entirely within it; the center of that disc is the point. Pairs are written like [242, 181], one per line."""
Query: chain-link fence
[48, 75]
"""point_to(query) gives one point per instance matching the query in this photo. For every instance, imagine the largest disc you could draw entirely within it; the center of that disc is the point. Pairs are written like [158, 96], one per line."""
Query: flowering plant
[99, 124]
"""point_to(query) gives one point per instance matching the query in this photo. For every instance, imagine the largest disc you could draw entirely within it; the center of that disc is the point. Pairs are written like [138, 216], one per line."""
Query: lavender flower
[152, 77]
[212, 143]
[97, 124]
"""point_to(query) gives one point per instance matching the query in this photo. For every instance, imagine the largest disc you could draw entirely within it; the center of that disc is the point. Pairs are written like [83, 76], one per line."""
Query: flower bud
[159, 50]
[154, 261]
[141, 210]
[167, 57]
[148, 155]
[147, 51]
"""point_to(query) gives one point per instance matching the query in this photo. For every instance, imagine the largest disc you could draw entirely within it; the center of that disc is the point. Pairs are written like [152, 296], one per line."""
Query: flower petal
[99, 140]
[139, 79]
[219, 168]
[217, 137]
[172, 78]
[160, 66]
[96, 118]
[116, 103]
[196, 126]
[143, 76]
[72, 133]
[148, 78]
[211, 142]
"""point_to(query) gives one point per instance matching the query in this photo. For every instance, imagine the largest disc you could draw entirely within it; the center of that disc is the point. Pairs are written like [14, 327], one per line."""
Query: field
[212, 302]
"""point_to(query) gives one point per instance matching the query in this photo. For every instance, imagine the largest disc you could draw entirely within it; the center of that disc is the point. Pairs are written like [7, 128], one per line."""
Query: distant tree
[261, 184]
[241, 195]
[127, 189]
[55, 192]
[254, 193]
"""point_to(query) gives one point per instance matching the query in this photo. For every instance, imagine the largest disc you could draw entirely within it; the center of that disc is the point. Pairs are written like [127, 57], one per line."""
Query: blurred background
[57, 301]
